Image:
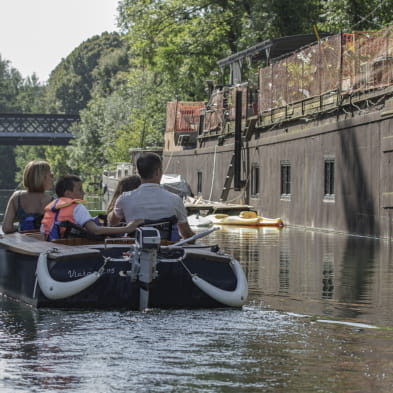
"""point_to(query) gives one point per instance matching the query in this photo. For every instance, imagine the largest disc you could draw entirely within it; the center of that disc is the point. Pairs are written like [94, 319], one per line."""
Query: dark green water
[318, 319]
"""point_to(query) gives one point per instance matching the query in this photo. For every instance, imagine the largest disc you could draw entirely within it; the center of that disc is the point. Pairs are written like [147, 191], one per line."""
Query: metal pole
[238, 141]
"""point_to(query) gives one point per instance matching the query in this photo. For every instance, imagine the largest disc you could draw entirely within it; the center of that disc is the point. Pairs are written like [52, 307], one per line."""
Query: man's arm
[95, 229]
[183, 226]
[83, 218]
[185, 230]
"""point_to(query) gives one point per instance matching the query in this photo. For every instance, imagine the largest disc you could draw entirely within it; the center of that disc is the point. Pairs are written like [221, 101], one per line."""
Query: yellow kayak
[245, 218]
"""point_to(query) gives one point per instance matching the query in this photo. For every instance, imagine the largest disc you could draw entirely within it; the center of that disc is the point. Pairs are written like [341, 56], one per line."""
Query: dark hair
[147, 164]
[127, 183]
[66, 183]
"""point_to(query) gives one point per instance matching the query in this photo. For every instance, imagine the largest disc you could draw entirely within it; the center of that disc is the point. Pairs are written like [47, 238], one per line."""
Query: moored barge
[310, 141]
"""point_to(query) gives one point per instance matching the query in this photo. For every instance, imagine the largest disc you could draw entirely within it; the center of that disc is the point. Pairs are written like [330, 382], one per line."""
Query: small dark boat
[125, 273]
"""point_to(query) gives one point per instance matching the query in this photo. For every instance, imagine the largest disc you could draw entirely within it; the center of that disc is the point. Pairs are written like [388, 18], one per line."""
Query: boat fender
[235, 298]
[53, 289]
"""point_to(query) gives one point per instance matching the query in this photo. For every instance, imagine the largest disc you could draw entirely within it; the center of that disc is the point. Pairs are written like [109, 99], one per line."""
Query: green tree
[30, 97]
[293, 17]
[24, 154]
[8, 91]
[348, 15]
[110, 126]
[8, 165]
[10, 81]
[92, 71]
[182, 40]
[71, 83]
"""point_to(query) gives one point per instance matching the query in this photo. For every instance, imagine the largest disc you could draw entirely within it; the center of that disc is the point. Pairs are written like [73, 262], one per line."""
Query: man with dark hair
[148, 164]
[150, 201]
[69, 207]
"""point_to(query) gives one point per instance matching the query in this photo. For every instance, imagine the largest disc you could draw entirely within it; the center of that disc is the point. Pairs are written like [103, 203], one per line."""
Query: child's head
[128, 183]
[70, 186]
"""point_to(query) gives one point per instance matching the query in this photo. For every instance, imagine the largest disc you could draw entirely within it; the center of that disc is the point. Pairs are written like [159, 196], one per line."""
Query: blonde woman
[27, 206]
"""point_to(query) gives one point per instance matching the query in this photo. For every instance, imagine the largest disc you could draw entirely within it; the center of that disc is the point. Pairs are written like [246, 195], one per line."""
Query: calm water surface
[318, 319]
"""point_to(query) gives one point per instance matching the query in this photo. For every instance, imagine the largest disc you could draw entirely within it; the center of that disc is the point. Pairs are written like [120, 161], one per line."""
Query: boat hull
[172, 288]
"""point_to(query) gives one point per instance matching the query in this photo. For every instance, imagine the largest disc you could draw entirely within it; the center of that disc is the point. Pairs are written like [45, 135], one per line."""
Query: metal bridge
[36, 129]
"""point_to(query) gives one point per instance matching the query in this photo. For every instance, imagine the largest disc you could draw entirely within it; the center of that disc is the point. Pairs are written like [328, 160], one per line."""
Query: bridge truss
[36, 129]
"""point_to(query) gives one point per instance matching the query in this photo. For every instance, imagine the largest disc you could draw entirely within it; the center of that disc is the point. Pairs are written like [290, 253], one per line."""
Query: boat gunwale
[27, 245]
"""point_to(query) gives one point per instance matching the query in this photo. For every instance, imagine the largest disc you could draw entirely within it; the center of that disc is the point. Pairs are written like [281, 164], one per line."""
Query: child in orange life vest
[69, 207]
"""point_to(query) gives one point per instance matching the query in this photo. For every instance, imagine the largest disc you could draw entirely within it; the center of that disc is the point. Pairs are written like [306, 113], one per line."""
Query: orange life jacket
[61, 209]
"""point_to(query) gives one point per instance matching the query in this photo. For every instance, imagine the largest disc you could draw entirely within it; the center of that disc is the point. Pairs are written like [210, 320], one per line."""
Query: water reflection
[328, 276]
[315, 273]
[27, 353]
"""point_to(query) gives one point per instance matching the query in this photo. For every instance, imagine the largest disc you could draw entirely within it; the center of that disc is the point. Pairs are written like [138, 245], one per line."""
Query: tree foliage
[182, 40]
[110, 126]
[72, 82]
[16, 95]
[348, 15]
[92, 71]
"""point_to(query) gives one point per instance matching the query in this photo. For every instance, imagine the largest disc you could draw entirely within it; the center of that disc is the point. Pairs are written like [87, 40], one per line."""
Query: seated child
[69, 206]
[127, 183]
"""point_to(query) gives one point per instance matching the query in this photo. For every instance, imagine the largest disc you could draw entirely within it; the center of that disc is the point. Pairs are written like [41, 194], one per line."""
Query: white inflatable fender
[235, 298]
[53, 289]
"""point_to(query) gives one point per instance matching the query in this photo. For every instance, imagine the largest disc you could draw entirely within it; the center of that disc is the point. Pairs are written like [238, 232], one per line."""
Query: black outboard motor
[144, 261]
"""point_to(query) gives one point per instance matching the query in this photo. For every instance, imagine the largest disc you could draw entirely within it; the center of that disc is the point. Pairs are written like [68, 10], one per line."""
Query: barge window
[254, 180]
[199, 184]
[285, 179]
[201, 124]
[329, 178]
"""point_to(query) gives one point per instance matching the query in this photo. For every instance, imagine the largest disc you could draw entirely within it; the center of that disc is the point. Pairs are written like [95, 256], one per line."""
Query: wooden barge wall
[349, 127]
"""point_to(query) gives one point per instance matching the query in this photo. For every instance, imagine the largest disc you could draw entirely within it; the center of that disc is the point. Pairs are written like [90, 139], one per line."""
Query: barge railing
[337, 70]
